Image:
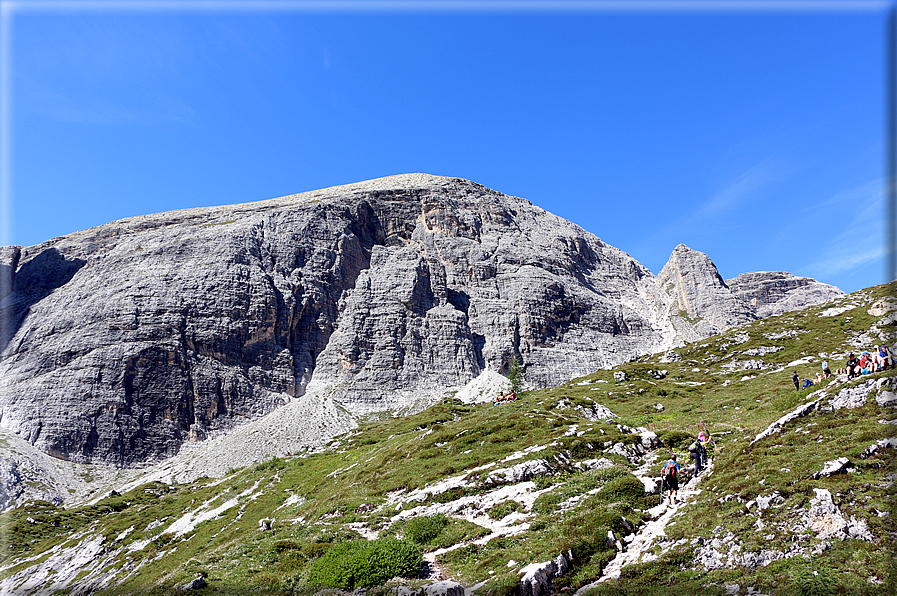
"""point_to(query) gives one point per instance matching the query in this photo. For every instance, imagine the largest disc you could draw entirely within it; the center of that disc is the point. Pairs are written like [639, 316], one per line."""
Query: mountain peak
[385, 295]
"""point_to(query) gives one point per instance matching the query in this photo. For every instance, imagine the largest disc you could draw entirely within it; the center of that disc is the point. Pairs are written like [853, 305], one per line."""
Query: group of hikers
[881, 358]
[671, 471]
[512, 396]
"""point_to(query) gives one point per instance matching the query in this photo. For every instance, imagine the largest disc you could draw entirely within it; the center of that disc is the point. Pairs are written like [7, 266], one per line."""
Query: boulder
[536, 577]
[596, 413]
[889, 443]
[633, 453]
[882, 307]
[836, 466]
[853, 397]
[650, 440]
[775, 499]
[671, 356]
[593, 464]
[196, 584]
[520, 473]
[444, 588]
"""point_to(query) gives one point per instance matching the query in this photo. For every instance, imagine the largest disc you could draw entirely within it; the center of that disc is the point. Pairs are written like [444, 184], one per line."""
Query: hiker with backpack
[670, 478]
[698, 452]
[703, 441]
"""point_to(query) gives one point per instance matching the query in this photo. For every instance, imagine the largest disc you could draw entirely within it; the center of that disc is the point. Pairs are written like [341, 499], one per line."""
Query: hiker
[698, 452]
[819, 378]
[703, 441]
[853, 366]
[884, 359]
[670, 478]
[826, 371]
[503, 398]
[694, 455]
[807, 383]
[796, 380]
[865, 363]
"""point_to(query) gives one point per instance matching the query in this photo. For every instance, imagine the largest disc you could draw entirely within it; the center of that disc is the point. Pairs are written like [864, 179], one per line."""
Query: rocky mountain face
[123, 342]
[700, 295]
[771, 293]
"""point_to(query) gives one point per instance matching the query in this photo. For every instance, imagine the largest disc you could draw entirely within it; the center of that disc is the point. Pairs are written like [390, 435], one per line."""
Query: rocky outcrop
[536, 578]
[699, 295]
[124, 342]
[772, 293]
[825, 519]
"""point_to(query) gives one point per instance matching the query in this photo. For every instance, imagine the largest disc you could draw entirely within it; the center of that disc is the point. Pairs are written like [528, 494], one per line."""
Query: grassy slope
[350, 483]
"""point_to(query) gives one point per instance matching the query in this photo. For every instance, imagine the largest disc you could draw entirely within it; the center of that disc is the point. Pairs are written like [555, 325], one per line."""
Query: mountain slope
[546, 492]
[125, 342]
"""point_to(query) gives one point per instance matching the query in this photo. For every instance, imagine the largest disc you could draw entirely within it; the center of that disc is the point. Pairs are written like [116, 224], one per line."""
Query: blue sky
[751, 131]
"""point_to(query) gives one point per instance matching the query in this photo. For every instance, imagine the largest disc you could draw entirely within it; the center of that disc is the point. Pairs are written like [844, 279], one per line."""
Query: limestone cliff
[775, 292]
[123, 342]
[699, 295]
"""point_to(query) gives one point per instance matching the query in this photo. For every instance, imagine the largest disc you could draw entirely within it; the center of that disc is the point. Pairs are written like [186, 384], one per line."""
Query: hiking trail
[644, 539]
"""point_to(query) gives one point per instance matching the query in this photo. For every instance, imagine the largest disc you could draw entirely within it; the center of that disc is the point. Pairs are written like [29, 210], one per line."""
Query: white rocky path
[638, 548]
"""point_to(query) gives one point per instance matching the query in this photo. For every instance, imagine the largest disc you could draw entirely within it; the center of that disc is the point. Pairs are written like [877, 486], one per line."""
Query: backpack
[669, 470]
[693, 447]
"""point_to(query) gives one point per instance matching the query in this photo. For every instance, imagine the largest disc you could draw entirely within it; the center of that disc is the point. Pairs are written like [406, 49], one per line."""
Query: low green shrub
[272, 464]
[813, 580]
[365, 563]
[626, 489]
[285, 545]
[503, 509]
[316, 549]
[675, 439]
[421, 530]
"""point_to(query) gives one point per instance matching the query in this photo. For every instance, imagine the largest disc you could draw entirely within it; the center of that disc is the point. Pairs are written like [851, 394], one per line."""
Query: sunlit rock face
[772, 293]
[122, 342]
[699, 295]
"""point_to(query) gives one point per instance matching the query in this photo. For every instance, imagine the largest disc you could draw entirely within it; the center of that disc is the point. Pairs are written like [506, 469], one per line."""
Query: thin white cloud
[741, 190]
[846, 262]
[104, 111]
[862, 239]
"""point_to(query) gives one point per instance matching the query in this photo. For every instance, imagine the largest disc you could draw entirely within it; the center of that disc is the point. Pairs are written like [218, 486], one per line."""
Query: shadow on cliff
[29, 284]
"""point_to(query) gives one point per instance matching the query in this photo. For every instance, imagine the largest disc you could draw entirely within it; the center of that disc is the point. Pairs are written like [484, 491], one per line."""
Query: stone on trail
[444, 588]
